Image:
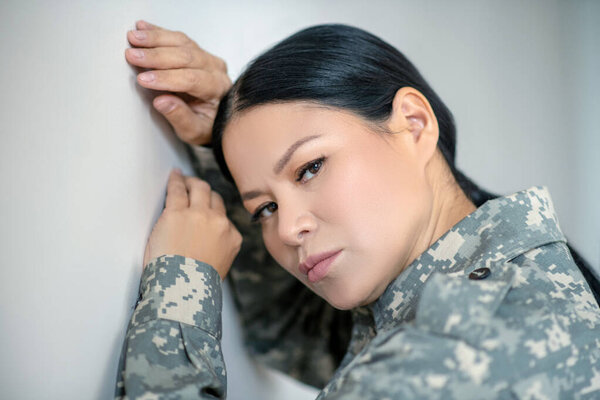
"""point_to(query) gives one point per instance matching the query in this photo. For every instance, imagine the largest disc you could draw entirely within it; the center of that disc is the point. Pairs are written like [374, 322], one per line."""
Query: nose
[295, 223]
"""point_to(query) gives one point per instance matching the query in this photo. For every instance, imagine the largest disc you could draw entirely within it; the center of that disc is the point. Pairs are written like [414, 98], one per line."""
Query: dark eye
[309, 170]
[263, 212]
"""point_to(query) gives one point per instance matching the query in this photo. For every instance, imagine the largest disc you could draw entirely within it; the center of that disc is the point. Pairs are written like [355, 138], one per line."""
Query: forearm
[172, 346]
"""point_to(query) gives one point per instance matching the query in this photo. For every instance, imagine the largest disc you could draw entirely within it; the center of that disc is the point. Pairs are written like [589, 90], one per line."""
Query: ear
[413, 119]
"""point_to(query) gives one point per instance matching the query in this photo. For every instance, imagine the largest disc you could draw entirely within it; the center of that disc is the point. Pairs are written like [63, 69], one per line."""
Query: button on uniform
[479, 273]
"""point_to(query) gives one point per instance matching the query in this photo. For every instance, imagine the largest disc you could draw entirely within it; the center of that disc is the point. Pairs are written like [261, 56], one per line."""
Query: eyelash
[256, 217]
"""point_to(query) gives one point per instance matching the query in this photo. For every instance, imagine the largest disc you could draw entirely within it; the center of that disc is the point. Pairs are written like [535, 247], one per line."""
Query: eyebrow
[280, 165]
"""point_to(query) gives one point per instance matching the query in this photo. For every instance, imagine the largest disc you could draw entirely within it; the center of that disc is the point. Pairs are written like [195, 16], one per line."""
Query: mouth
[317, 265]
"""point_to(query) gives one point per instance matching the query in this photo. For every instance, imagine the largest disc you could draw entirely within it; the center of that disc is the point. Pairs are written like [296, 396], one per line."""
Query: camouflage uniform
[496, 308]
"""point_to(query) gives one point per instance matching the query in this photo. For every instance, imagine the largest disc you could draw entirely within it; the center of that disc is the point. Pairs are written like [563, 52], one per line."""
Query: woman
[345, 157]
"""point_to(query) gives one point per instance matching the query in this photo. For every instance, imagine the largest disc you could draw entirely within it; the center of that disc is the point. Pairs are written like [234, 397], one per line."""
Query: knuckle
[185, 133]
[237, 239]
[190, 78]
[181, 37]
[197, 213]
[217, 196]
[176, 186]
[220, 63]
[203, 185]
[192, 179]
[182, 127]
[170, 215]
[225, 84]
[154, 36]
[187, 56]
[197, 218]
[222, 223]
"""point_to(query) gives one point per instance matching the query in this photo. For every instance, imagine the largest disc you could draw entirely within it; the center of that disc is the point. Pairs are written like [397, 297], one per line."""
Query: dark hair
[348, 68]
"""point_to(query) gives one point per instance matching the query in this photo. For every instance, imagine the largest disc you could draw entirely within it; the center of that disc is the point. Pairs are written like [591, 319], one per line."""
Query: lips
[322, 260]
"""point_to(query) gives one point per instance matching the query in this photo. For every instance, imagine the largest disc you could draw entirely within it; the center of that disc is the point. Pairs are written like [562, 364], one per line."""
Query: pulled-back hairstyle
[348, 68]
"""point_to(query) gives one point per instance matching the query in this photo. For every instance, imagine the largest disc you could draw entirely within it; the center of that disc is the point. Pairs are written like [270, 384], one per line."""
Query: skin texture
[194, 224]
[175, 63]
[381, 199]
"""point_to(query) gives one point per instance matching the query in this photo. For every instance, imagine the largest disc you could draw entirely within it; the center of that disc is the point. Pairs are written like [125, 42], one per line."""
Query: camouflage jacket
[496, 308]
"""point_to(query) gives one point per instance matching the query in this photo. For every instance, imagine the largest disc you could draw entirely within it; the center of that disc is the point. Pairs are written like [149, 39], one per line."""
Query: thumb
[190, 126]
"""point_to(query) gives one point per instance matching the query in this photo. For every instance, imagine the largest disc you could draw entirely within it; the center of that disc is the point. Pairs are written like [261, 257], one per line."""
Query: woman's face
[342, 207]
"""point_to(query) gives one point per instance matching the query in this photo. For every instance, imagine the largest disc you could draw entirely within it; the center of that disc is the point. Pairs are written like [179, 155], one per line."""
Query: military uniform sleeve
[286, 326]
[172, 347]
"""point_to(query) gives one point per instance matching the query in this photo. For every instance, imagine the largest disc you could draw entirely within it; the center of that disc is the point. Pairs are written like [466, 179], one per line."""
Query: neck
[450, 206]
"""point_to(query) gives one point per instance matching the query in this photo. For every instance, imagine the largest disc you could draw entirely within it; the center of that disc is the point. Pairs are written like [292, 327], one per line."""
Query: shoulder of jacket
[463, 297]
[499, 303]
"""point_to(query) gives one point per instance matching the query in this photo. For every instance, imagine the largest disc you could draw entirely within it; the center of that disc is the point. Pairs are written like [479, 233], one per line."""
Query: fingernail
[137, 53]
[139, 35]
[146, 77]
[164, 105]
[177, 171]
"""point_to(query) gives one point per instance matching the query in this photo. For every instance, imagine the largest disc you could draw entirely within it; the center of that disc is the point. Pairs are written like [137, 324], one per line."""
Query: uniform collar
[496, 232]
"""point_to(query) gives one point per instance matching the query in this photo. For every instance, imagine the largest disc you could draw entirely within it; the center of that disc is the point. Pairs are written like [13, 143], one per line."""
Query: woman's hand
[177, 64]
[194, 224]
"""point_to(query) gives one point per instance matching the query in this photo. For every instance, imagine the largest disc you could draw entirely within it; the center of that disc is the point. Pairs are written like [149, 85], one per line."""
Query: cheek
[356, 196]
[377, 204]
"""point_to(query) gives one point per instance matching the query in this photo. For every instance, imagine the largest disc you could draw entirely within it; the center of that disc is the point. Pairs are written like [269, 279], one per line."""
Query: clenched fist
[177, 64]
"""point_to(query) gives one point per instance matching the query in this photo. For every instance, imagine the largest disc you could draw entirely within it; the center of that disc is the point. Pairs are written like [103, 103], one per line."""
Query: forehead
[272, 121]
[270, 126]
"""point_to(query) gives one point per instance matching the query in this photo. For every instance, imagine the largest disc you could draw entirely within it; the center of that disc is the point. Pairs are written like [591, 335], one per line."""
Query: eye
[304, 174]
[309, 170]
[263, 212]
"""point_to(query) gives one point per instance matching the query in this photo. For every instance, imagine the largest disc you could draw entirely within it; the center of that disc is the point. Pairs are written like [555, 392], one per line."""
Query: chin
[347, 299]
[354, 294]
[348, 291]
[343, 304]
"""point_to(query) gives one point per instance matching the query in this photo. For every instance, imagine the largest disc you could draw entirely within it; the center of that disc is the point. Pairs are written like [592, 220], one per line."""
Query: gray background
[84, 160]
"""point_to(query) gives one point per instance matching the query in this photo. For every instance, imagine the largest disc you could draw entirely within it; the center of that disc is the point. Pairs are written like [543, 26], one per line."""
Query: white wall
[84, 161]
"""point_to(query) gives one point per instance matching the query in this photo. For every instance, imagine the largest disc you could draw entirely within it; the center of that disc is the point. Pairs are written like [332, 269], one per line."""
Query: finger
[157, 38]
[216, 202]
[141, 24]
[171, 58]
[192, 123]
[199, 192]
[198, 83]
[177, 195]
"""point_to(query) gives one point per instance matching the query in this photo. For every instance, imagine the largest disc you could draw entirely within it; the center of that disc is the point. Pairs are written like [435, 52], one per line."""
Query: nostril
[301, 233]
